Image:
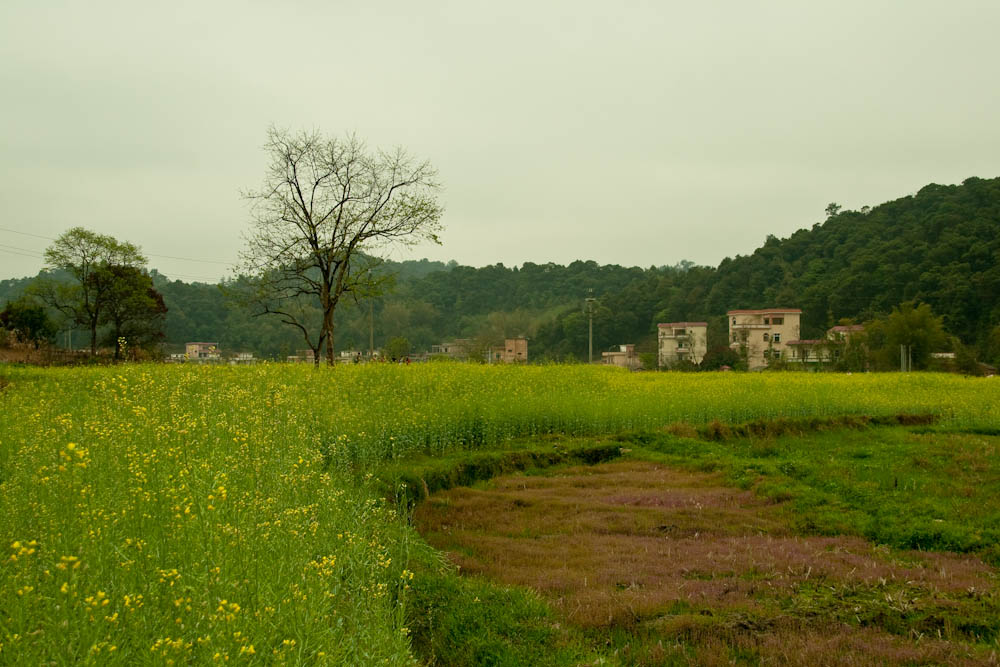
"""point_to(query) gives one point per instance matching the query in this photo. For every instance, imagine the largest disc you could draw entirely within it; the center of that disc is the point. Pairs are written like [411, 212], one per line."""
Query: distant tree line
[939, 248]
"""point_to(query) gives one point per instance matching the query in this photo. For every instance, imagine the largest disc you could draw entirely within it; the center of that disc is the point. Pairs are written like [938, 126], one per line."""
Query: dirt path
[681, 561]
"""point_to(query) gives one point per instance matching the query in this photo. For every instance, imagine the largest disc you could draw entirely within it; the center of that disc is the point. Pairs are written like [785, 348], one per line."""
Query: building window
[767, 320]
[766, 338]
[776, 338]
[778, 320]
[734, 321]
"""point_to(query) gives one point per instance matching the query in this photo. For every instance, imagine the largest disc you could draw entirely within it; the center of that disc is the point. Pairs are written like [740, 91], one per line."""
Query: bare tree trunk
[328, 327]
[329, 343]
[93, 337]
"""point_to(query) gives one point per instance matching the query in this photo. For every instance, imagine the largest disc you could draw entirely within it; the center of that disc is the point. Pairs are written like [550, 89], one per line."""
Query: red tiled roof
[764, 311]
[848, 328]
[683, 324]
[806, 341]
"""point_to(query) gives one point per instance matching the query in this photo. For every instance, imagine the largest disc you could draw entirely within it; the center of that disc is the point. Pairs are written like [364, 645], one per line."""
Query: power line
[184, 259]
[20, 254]
[191, 259]
[23, 250]
[37, 236]
[27, 252]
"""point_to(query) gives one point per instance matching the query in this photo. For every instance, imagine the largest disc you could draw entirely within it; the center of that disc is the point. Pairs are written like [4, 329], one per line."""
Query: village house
[350, 357]
[456, 349]
[242, 359]
[762, 335]
[514, 350]
[681, 341]
[301, 357]
[810, 350]
[624, 357]
[825, 350]
[202, 352]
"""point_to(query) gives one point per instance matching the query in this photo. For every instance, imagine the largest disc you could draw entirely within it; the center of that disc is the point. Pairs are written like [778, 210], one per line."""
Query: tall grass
[184, 513]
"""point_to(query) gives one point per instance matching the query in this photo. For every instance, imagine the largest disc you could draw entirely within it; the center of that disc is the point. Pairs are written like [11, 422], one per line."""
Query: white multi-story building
[762, 335]
[681, 341]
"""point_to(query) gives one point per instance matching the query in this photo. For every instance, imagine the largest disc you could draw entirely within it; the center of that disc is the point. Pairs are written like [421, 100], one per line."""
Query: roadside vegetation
[178, 513]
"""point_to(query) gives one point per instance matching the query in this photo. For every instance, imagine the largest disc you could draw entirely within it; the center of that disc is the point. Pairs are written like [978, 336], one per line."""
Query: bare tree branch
[326, 210]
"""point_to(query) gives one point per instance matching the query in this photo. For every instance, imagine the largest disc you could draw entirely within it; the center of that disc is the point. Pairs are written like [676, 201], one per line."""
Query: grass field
[156, 514]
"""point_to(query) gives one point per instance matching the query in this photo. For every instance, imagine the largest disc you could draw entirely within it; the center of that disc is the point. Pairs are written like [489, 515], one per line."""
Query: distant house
[202, 352]
[514, 350]
[302, 357]
[624, 357]
[681, 341]
[763, 335]
[242, 359]
[823, 350]
[456, 349]
[810, 351]
[350, 357]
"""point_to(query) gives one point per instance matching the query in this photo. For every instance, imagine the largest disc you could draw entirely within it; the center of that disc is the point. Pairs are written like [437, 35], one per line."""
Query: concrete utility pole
[590, 336]
[371, 329]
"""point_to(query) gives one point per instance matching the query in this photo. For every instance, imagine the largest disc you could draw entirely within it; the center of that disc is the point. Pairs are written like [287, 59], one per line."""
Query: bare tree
[328, 210]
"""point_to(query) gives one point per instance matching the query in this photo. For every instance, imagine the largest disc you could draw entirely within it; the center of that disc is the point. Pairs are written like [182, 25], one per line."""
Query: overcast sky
[637, 133]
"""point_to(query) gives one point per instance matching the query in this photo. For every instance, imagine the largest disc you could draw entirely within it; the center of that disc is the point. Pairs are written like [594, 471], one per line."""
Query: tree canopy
[94, 279]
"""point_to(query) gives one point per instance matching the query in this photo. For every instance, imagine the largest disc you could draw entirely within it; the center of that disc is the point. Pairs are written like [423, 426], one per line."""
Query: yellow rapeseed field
[161, 514]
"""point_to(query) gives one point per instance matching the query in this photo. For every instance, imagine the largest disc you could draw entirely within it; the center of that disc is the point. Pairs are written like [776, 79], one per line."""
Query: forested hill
[940, 246]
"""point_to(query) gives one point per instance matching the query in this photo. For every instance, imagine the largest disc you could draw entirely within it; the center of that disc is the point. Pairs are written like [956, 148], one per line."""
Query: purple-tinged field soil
[679, 559]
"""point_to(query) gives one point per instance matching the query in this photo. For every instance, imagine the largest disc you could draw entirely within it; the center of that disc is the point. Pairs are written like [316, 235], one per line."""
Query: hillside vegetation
[940, 246]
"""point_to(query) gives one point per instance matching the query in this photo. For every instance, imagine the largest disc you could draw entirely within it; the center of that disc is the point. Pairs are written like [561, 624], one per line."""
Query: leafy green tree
[718, 356]
[28, 321]
[397, 348]
[965, 359]
[134, 310]
[91, 260]
[910, 325]
[854, 353]
[993, 346]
